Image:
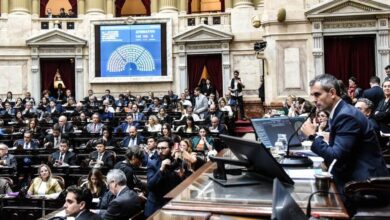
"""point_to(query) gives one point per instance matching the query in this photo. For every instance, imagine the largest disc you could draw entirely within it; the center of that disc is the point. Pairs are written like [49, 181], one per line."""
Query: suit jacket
[91, 128]
[126, 141]
[352, 141]
[88, 215]
[50, 139]
[108, 158]
[68, 128]
[138, 116]
[69, 158]
[125, 205]
[375, 94]
[201, 105]
[158, 183]
[123, 127]
[4, 187]
[10, 112]
[221, 129]
[33, 143]
[52, 186]
[10, 160]
[218, 114]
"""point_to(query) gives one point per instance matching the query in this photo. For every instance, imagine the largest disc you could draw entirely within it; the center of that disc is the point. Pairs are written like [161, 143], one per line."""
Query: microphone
[297, 161]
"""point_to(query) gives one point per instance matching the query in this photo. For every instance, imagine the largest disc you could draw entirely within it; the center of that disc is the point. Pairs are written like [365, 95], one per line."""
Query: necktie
[27, 146]
[94, 128]
[100, 157]
[61, 157]
[136, 117]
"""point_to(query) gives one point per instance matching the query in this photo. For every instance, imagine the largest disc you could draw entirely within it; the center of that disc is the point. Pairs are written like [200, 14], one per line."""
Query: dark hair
[100, 141]
[387, 67]
[64, 141]
[375, 79]
[168, 126]
[197, 89]
[353, 79]
[99, 176]
[190, 118]
[164, 139]
[81, 194]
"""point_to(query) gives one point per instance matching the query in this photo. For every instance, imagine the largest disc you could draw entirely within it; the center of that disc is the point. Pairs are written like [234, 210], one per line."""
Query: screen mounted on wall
[137, 50]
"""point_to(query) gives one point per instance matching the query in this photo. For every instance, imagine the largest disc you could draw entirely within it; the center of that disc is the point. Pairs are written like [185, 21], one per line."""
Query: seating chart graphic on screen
[130, 50]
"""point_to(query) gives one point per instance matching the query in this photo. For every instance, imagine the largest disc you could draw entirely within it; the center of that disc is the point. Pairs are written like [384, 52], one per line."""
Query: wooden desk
[200, 194]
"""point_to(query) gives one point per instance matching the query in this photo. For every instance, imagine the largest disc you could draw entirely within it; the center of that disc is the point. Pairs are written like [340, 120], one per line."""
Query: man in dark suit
[27, 142]
[352, 140]
[375, 93]
[78, 201]
[137, 116]
[63, 156]
[65, 126]
[213, 112]
[101, 157]
[217, 127]
[134, 158]
[53, 140]
[126, 204]
[125, 127]
[8, 110]
[161, 177]
[7, 159]
[108, 96]
[134, 139]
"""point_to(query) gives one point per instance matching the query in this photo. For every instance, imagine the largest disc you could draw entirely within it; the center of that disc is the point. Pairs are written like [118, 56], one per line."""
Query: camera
[260, 46]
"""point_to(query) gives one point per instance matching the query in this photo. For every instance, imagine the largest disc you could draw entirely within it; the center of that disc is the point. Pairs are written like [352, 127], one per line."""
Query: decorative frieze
[203, 46]
[350, 25]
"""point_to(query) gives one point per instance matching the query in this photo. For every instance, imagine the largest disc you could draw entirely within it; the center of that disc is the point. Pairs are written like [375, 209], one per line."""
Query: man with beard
[161, 175]
[134, 139]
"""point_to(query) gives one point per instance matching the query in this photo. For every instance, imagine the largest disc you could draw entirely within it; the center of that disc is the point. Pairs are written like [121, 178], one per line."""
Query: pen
[332, 165]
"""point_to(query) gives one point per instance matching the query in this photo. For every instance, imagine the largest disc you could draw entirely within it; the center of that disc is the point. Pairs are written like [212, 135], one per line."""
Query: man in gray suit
[126, 204]
[96, 126]
[7, 160]
[201, 103]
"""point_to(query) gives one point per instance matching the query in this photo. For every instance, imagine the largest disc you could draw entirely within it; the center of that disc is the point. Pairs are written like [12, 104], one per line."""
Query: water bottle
[282, 138]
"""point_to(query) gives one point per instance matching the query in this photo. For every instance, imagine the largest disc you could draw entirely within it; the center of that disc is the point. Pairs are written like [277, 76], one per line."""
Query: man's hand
[308, 128]
[165, 163]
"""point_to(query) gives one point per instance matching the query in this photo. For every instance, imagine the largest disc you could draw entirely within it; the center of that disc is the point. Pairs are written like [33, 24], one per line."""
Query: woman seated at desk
[44, 184]
[203, 143]
[189, 127]
[95, 183]
[33, 127]
[153, 125]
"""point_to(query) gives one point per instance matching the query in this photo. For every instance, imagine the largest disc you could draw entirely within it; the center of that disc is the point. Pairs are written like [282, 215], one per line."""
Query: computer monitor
[267, 129]
[258, 158]
[284, 206]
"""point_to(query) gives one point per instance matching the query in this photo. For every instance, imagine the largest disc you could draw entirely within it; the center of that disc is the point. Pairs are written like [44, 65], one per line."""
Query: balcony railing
[220, 21]
[60, 23]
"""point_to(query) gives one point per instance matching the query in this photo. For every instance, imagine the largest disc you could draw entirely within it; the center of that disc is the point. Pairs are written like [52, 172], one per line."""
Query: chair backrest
[60, 180]
[8, 180]
[82, 180]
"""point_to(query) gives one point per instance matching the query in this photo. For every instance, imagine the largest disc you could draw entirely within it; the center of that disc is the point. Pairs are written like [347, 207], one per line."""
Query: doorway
[347, 56]
[202, 67]
[65, 67]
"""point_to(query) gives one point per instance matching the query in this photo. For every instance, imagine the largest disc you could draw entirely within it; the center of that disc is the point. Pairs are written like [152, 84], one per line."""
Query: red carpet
[242, 127]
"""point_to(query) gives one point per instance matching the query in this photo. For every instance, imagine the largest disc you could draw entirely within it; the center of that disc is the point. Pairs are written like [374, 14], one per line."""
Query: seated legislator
[28, 143]
[53, 140]
[189, 127]
[96, 183]
[6, 159]
[96, 126]
[161, 176]
[163, 116]
[153, 124]
[34, 128]
[78, 201]
[217, 127]
[63, 157]
[107, 136]
[353, 146]
[44, 184]
[134, 139]
[126, 202]
[101, 157]
[65, 126]
[203, 142]
[137, 116]
[134, 158]
[125, 127]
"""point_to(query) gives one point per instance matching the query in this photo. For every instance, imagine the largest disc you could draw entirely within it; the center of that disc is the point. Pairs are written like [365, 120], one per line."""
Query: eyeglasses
[161, 148]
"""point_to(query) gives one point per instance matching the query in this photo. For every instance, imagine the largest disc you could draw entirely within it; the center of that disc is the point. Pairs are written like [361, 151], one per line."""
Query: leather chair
[60, 180]
[369, 199]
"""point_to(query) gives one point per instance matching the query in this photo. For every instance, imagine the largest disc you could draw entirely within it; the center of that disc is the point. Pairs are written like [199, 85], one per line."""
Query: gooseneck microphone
[297, 161]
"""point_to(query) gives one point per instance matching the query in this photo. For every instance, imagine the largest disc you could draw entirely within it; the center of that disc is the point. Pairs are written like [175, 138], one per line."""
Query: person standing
[352, 143]
[201, 103]
[236, 86]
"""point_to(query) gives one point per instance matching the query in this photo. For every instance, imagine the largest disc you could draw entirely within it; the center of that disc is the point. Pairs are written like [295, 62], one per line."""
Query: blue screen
[130, 50]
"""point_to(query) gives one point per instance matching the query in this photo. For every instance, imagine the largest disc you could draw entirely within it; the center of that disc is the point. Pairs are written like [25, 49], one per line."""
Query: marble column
[382, 44]
[4, 6]
[183, 6]
[17, 6]
[259, 3]
[243, 3]
[110, 8]
[154, 7]
[79, 73]
[168, 5]
[80, 7]
[35, 8]
[318, 48]
[228, 5]
[36, 74]
[94, 6]
[181, 62]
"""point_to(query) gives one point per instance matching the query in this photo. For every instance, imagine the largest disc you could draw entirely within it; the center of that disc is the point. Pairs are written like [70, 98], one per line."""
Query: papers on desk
[301, 173]
[63, 215]
[96, 200]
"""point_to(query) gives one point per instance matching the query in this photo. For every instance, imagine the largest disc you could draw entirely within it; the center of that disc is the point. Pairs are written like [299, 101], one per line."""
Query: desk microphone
[297, 161]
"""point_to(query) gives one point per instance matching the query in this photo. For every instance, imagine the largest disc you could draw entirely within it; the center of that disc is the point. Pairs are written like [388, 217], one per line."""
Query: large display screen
[130, 50]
